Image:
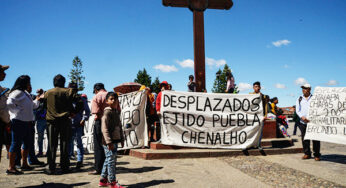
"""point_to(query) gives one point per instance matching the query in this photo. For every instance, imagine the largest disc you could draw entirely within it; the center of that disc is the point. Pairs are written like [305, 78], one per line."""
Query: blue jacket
[83, 114]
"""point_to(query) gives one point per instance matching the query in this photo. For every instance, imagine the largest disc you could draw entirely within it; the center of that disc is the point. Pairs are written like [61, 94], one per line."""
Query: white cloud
[244, 86]
[332, 83]
[186, 63]
[213, 62]
[286, 66]
[291, 95]
[300, 81]
[280, 86]
[279, 43]
[166, 68]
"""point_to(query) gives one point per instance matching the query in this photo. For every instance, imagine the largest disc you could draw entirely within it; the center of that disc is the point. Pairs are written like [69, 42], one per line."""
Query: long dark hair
[21, 83]
[229, 75]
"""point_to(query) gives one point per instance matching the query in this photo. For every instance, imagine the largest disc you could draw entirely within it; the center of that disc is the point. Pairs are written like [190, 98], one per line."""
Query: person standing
[41, 124]
[302, 110]
[32, 158]
[59, 103]
[265, 98]
[78, 121]
[191, 85]
[230, 82]
[163, 86]
[21, 106]
[296, 120]
[4, 115]
[98, 104]
[273, 105]
[112, 134]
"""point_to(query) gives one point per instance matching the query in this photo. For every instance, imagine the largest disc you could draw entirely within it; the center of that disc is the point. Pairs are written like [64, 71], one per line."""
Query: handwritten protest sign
[210, 120]
[133, 119]
[327, 115]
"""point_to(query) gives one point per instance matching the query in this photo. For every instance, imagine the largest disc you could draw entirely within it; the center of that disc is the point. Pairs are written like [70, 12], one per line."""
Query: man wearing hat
[4, 115]
[302, 110]
[163, 86]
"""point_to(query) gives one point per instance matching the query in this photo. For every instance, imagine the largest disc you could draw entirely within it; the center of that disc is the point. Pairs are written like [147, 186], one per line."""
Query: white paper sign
[210, 120]
[327, 115]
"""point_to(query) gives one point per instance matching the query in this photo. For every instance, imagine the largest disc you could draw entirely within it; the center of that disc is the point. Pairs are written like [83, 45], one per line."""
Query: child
[282, 123]
[112, 134]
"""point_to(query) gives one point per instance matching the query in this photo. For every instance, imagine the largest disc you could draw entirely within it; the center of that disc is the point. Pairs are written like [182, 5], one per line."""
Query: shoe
[37, 163]
[317, 158]
[26, 168]
[103, 182]
[306, 157]
[73, 158]
[79, 165]
[16, 172]
[94, 172]
[50, 172]
[115, 184]
[40, 155]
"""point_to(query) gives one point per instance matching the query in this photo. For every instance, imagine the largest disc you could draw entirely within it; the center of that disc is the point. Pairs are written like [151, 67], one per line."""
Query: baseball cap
[306, 86]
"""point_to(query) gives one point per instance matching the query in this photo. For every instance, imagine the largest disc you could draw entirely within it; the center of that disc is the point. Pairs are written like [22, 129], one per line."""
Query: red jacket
[158, 102]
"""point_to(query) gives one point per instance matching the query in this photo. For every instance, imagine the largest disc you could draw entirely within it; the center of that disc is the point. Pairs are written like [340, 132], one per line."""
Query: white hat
[305, 86]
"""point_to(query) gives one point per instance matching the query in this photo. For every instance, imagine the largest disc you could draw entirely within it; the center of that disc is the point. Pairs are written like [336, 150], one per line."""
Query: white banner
[133, 119]
[327, 115]
[209, 120]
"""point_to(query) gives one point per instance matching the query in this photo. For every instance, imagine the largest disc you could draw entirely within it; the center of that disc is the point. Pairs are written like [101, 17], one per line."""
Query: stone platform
[270, 147]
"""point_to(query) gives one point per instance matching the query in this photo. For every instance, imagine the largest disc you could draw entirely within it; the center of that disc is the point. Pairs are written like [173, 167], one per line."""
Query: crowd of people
[62, 113]
[272, 112]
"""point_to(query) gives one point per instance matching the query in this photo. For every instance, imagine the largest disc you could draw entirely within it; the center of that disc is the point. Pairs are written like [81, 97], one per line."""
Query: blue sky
[280, 43]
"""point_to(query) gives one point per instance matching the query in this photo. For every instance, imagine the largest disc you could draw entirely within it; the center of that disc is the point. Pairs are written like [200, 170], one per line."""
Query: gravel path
[275, 174]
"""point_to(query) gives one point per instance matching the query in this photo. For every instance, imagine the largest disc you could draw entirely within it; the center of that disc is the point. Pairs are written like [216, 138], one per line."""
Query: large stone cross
[198, 7]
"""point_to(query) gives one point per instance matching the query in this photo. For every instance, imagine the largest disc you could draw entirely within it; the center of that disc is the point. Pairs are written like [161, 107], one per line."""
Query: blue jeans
[20, 132]
[32, 157]
[109, 168]
[41, 125]
[77, 133]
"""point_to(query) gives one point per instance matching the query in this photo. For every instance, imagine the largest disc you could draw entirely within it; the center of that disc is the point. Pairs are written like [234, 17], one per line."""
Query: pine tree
[220, 82]
[143, 78]
[156, 85]
[76, 73]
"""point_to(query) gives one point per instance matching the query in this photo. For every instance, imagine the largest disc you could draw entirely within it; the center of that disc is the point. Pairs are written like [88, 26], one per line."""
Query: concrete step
[152, 154]
[273, 142]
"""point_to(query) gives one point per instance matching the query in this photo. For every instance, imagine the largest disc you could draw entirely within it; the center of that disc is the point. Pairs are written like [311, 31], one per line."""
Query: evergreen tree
[156, 85]
[143, 78]
[220, 82]
[76, 73]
